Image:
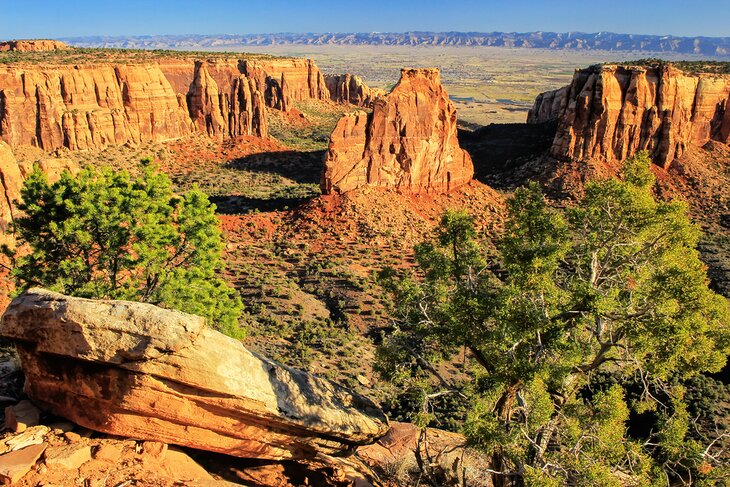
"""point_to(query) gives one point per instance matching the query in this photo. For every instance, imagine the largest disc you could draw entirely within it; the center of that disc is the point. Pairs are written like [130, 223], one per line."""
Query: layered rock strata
[91, 106]
[33, 45]
[136, 370]
[349, 88]
[610, 112]
[408, 143]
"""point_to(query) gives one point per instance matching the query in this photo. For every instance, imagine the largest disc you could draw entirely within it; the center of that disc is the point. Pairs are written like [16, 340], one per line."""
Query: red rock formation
[94, 105]
[302, 78]
[408, 143]
[348, 88]
[11, 180]
[611, 112]
[33, 45]
[547, 106]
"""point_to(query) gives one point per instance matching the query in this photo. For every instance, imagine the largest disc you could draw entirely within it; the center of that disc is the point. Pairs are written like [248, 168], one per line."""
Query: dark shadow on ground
[301, 167]
[499, 149]
[234, 205]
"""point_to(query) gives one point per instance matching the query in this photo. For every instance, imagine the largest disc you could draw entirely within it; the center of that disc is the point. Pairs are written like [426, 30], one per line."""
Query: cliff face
[547, 106]
[610, 113]
[11, 180]
[95, 105]
[408, 143]
[32, 45]
[348, 88]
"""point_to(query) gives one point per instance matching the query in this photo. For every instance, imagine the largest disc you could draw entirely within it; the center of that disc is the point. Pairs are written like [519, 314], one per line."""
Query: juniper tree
[106, 234]
[613, 284]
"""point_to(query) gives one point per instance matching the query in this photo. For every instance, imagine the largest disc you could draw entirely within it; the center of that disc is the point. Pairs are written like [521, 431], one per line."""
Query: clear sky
[46, 18]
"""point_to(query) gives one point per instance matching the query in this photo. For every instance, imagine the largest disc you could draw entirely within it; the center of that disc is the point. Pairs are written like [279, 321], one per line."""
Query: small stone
[109, 452]
[362, 380]
[14, 465]
[35, 435]
[183, 468]
[23, 415]
[154, 449]
[68, 456]
[72, 437]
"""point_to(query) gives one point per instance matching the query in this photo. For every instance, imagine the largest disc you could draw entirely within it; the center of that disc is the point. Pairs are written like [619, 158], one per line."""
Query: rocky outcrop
[33, 45]
[407, 454]
[300, 79]
[610, 112]
[547, 106]
[140, 371]
[91, 106]
[348, 88]
[408, 143]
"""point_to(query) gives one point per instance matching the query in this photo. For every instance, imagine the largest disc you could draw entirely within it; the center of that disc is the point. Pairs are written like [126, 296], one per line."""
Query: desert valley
[298, 260]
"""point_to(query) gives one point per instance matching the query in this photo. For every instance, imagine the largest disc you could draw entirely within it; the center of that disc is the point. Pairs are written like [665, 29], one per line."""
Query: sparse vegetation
[100, 55]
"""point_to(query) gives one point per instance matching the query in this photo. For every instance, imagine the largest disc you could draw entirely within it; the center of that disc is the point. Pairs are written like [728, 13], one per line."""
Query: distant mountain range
[607, 41]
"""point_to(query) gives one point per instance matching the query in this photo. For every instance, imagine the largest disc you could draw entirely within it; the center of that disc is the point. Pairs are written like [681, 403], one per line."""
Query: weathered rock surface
[135, 370]
[33, 45]
[11, 180]
[608, 113]
[14, 465]
[21, 416]
[406, 454]
[408, 143]
[548, 106]
[349, 88]
[91, 106]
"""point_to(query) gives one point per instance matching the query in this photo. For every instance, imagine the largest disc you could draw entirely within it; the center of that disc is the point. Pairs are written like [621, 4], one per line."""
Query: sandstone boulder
[408, 143]
[136, 370]
[406, 454]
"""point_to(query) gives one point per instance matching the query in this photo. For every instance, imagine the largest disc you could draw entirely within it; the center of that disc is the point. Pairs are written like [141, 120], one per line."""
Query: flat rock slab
[136, 370]
[69, 457]
[23, 415]
[14, 465]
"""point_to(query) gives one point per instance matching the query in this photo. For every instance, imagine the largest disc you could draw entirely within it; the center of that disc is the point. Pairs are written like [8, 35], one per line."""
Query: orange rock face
[408, 143]
[611, 112]
[93, 106]
[348, 88]
[548, 106]
[11, 180]
[33, 45]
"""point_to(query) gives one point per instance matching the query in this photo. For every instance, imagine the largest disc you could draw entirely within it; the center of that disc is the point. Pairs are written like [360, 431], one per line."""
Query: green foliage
[614, 284]
[105, 234]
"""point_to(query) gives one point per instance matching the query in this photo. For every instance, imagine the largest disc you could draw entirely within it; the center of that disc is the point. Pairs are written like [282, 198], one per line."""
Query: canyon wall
[408, 143]
[610, 112]
[93, 105]
[349, 88]
[34, 45]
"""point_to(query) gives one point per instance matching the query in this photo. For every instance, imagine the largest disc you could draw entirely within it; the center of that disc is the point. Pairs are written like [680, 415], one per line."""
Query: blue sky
[45, 18]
